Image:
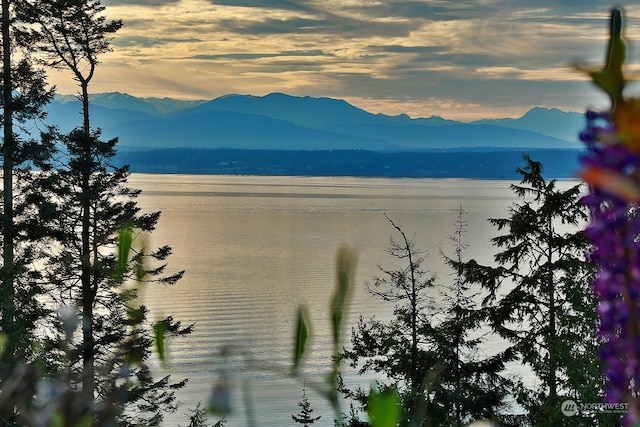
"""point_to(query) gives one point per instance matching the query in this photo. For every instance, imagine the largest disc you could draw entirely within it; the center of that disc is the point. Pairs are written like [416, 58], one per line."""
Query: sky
[462, 60]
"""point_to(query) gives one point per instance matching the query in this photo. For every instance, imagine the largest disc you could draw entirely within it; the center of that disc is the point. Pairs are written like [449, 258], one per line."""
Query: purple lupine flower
[611, 167]
[614, 230]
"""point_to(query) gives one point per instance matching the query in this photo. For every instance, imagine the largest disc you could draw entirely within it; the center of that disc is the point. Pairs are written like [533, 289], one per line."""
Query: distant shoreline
[475, 164]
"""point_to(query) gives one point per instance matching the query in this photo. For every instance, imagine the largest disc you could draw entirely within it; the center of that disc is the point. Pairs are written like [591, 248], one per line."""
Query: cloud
[146, 41]
[301, 5]
[249, 56]
[139, 2]
[423, 55]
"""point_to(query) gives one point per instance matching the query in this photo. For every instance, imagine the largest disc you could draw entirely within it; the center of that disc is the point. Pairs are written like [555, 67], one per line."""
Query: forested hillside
[478, 164]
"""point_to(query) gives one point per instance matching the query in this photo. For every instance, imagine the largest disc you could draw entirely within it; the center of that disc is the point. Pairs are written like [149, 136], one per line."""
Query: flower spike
[611, 79]
[611, 166]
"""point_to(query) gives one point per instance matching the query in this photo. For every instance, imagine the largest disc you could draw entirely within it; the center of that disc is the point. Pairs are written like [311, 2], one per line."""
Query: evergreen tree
[118, 341]
[397, 348]
[93, 204]
[305, 416]
[71, 34]
[539, 296]
[198, 418]
[23, 97]
[445, 383]
[472, 388]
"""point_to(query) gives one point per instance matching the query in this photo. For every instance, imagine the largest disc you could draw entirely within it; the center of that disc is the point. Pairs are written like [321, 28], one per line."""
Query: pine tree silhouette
[305, 416]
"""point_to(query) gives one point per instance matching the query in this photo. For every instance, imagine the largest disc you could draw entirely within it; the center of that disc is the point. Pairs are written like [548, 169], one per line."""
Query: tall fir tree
[472, 387]
[94, 204]
[71, 35]
[539, 297]
[24, 94]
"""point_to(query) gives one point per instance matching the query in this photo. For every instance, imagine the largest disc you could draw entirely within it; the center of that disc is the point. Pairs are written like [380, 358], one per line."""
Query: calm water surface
[255, 248]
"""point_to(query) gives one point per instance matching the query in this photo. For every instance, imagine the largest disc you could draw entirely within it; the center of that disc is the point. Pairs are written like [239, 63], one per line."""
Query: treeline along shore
[473, 164]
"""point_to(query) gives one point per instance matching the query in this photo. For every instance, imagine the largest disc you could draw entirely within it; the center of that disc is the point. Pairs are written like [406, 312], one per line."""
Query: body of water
[254, 248]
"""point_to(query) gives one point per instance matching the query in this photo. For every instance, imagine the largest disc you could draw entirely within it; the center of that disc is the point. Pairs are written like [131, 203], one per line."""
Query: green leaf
[159, 332]
[384, 408]
[125, 240]
[4, 342]
[345, 271]
[301, 337]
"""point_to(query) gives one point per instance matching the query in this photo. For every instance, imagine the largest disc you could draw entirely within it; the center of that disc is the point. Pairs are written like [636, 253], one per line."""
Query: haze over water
[256, 247]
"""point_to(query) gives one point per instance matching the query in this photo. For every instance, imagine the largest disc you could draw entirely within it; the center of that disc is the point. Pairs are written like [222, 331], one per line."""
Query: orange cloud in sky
[458, 60]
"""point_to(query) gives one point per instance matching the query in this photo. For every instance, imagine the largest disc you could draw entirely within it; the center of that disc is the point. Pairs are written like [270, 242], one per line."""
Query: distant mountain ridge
[124, 101]
[283, 122]
[547, 121]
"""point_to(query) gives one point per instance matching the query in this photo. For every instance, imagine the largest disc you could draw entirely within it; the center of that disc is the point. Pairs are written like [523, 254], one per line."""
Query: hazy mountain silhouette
[123, 101]
[307, 111]
[68, 115]
[551, 122]
[225, 129]
[284, 122]
[462, 135]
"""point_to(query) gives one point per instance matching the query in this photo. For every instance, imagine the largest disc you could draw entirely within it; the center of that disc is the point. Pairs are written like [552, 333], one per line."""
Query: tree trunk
[85, 107]
[552, 315]
[88, 293]
[8, 228]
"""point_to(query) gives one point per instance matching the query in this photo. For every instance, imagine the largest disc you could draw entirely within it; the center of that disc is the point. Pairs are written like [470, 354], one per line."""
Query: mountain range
[282, 122]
